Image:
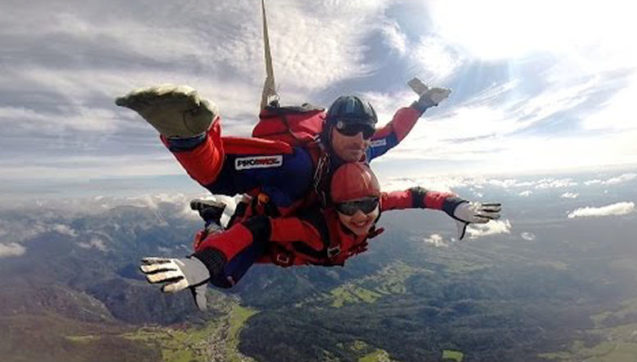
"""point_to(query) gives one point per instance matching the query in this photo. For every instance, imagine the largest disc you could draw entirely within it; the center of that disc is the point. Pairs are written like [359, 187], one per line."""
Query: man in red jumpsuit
[191, 129]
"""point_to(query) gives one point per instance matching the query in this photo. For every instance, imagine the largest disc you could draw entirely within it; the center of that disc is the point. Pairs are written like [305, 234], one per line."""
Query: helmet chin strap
[325, 142]
[325, 138]
[346, 229]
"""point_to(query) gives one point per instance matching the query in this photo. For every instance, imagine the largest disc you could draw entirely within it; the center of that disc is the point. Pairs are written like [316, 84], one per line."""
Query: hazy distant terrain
[554, 279]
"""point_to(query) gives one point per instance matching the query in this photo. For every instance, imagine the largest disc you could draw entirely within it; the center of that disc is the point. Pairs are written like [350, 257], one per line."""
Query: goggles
[365, 205]
[352, 129]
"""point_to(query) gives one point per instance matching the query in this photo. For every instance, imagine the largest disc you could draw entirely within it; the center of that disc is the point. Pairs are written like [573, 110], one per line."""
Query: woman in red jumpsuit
[318, 236]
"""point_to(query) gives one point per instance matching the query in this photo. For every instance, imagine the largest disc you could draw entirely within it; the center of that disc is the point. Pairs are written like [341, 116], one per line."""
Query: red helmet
[354, 180]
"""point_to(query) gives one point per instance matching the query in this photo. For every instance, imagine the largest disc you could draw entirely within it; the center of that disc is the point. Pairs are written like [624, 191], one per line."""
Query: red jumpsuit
[285, 174]
[315, 237]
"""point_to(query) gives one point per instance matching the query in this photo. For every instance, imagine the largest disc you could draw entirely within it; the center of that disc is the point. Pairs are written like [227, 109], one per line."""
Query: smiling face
[359, 223]
[355, 195]
[349, 148]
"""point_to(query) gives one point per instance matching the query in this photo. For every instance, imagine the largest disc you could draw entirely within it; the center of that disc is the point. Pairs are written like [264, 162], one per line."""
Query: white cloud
[329, 41]
[526, 154]
[11, 249]
[518, 33]
[539, 184]
[22, 230]
[152, 201]
[434, 59]
[84, 168]
[528, 236]
[620, 179]
[620, 208]
[318, 47]
[569, 195]
[473, 121]
[394, 37]
[550, 183]
[442, 184]
[506, 183]
[487, 123]
[64, 229]
[615, 113]
[613, 180]
[484, 130]
[493, 227]
[328, 45]
[164, 251]
[94, 242]
[436, 240]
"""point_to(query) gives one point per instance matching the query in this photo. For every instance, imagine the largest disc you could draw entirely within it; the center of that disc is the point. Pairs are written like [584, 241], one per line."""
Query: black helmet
[351, 109]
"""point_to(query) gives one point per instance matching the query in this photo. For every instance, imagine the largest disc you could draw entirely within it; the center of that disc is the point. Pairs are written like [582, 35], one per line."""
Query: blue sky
[537, 85]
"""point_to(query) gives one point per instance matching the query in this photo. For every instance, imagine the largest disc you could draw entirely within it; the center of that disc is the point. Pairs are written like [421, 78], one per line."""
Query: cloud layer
[620, 208]
[555, 97]
[436, 240]
[11, 249]
[493, 227]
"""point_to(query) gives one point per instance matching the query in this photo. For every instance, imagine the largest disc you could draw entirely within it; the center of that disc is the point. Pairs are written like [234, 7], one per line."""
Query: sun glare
[501, 29]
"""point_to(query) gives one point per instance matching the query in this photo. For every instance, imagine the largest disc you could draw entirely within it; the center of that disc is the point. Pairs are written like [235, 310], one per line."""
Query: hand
[177, 275]
[174, 111]
[432, 97]
[474, 212]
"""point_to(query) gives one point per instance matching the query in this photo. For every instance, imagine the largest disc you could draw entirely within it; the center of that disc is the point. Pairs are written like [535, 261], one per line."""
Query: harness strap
[418, 197]
[334, 247]
[263, 205]
[320, 178]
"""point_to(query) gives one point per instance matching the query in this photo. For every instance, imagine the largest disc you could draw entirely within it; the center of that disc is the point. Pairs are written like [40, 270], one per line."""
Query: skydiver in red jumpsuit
[318, 236]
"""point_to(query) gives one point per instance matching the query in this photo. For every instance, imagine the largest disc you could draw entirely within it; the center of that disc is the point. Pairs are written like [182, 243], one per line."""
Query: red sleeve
[436, 199]
[204, 162]
[291, 229]
[396, 200]
[402, 123]
[416, 197]
[230, 242]
[261, 228]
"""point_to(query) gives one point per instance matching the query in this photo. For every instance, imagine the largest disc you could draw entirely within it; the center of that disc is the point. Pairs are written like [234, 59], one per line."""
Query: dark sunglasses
[352, 129]
[365, 205]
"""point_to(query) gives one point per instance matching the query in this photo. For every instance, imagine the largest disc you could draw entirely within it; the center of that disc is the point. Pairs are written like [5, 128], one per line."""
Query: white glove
[436, 95]
[431, 98]
[174, 111]
[475, 212]
[177, 275]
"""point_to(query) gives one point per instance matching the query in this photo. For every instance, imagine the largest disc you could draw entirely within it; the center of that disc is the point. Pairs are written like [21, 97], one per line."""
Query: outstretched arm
[420, 198]
[403, 122]
[463, 211]
[223, 258]
[262, 229]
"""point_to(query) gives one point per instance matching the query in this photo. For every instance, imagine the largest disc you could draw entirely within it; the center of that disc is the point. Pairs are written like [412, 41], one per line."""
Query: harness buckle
[333, 251]
[283, 259]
